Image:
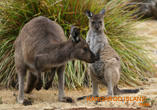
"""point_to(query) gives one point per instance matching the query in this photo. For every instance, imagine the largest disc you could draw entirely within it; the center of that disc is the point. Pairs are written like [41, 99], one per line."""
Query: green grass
[118, 22]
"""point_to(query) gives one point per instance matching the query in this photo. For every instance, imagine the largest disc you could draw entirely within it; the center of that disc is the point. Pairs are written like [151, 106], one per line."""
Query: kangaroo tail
[129, 90]
[117, 91]
[83, 97]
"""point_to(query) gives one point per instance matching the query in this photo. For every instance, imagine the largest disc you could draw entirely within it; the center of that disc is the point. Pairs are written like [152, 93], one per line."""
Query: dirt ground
[48, 99]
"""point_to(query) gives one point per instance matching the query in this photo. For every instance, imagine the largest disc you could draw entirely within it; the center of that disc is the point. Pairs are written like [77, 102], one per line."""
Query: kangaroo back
[39, 34]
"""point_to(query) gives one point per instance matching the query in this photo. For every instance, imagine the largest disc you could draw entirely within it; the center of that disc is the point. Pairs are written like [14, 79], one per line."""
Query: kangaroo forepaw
[39, 85]
[47, 85]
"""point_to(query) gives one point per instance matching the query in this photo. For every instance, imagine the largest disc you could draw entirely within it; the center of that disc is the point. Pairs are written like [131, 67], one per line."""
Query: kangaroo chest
[97, 42]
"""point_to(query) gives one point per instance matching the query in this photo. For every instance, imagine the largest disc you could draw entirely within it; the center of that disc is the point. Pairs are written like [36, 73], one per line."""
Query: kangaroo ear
[102, 12]
[88, 13]
[74, 32]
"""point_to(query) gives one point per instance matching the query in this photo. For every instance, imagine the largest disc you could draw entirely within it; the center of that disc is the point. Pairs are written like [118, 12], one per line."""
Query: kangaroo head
[81, 49]
[96, 21]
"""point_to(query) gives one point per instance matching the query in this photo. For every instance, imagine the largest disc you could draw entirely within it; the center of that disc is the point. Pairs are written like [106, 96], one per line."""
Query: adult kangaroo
[106, 70]
[42, 46]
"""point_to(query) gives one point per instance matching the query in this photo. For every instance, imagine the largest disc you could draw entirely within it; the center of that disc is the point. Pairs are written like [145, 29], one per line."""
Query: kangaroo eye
[100, 22]
[85, 48]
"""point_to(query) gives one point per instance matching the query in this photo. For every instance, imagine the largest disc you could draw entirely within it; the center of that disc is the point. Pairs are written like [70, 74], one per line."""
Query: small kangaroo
[42, 46]
[106, 70]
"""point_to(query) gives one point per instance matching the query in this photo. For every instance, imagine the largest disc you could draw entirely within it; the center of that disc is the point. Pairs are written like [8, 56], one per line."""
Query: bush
[119, 28]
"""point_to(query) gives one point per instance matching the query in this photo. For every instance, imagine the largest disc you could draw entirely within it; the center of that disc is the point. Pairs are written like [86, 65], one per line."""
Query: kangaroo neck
[98, 41]
[64, 51]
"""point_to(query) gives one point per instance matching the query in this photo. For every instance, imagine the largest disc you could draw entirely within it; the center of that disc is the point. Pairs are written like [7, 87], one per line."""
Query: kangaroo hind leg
[49, 83]
[31, 82]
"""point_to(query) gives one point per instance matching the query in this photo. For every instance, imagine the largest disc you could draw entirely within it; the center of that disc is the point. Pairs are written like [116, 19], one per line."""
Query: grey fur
[41, 46]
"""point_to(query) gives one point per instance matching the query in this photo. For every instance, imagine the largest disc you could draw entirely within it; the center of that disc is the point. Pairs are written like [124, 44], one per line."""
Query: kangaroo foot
[27, 102]
[47, 85]
[39, 84]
